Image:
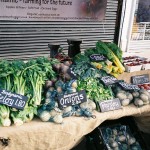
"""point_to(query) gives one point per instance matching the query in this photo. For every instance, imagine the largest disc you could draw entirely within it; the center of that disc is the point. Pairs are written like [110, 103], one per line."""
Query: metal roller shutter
[26, 39]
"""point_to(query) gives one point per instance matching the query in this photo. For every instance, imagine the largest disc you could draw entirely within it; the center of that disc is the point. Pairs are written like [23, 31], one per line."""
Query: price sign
[72, 99]
[140, 79]
[110, 105]
[71, 73]
[109, 80]
[97, 57]
[12, 99]
[128, 86]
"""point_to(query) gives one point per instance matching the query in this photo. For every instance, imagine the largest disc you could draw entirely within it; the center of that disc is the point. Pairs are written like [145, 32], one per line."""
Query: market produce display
[45, 80]
[50, 110]
[119, 137]
[25, 79]
[139, 98]
[136, 63]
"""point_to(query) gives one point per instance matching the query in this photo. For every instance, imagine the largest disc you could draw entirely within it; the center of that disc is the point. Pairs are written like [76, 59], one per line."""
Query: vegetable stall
[65, 96]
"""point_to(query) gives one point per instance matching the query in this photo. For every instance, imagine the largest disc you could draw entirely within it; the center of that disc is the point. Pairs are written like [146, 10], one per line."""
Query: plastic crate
[98, 138]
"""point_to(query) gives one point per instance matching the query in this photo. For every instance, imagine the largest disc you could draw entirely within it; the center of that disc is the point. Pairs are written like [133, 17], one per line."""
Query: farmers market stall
[45, 135]
[65, 95]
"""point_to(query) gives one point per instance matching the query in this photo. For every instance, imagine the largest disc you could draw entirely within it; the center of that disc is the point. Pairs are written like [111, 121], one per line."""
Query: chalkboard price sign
[71, 73]
[97, 57]
[128, 86]
[109, 80]
[140, 79]
[72, 99]
[12, 99]
[110, 105]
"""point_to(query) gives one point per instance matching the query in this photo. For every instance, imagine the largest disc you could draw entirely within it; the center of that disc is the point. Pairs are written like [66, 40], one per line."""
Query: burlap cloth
[38, 135]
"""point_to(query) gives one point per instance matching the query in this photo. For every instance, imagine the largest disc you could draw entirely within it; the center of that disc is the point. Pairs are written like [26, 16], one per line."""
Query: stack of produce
[119, 137]
[50, 111]
[139, 98]
[113, 64]
[26, 79]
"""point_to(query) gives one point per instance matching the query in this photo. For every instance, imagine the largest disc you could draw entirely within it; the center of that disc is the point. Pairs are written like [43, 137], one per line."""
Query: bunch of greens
[85, 70]
[114, 55]
[26, 79]
[95, 90]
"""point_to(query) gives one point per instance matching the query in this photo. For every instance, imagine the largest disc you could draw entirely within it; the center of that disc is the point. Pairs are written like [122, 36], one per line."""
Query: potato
[122, 138]
[135, 94]
[138, 102]
[125, 102]
[129, 96]
[131, 141]
[144, 97]
[121, 96]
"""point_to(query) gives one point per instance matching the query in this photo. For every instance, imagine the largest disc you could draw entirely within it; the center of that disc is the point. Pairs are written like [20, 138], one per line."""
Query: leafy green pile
[26, 79]
[85, 70]
[95, 90]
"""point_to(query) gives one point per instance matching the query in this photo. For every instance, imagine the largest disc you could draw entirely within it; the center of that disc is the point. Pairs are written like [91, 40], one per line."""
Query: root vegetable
[5, 122]
[57, 67]
[135, 94]
[48, 84]
[129, 96]
[59, 89]
[53, 113]
[58, 119]
[122, 138]
[74, 84]
[144, 97]
[45, 116]
[121, 96]
[67, 76]
[67, 63]
[114, 144]
[138, 102]
[125, 102]
[64, 68]
[131, 141]
[18, 122]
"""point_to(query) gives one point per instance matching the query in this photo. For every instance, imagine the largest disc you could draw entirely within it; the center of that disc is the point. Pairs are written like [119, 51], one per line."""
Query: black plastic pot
[73, 47]
[53, 49]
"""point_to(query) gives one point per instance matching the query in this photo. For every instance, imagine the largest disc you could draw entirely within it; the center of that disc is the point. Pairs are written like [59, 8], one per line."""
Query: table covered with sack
[37, 135]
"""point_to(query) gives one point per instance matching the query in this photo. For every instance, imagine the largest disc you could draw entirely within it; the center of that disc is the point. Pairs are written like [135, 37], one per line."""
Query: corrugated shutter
[22, 39]
[140, 37]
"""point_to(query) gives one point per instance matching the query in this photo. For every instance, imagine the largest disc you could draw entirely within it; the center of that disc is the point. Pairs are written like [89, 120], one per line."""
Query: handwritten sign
[110, 105]
[72, 99]
[71, 73]
[97, 57]
[140, 79]
[12, 99]
[109, 80]
[128, 86]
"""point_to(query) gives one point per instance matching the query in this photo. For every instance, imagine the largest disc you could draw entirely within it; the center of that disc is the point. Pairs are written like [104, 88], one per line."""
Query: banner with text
[53, 10]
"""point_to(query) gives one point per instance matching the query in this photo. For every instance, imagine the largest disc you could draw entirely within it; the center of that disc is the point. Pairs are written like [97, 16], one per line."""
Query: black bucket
[53, 49]
[74, 47]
